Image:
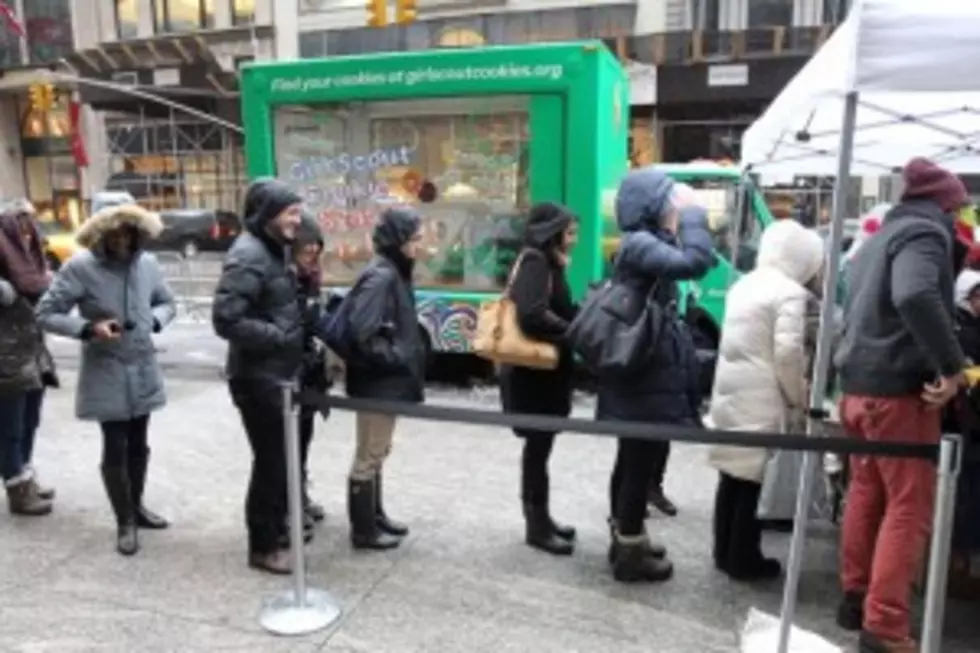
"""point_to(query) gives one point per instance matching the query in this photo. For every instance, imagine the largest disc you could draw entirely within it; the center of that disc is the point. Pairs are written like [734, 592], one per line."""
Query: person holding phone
[122, 300]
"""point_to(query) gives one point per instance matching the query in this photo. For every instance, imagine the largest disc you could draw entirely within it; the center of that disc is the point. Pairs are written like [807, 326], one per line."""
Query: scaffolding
[175, 163]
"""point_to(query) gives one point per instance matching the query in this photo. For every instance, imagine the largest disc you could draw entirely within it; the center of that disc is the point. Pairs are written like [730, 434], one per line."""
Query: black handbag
[617, 328]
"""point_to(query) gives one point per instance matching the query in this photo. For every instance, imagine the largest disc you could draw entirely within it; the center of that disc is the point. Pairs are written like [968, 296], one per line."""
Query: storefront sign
[728, 75]
[643, 83]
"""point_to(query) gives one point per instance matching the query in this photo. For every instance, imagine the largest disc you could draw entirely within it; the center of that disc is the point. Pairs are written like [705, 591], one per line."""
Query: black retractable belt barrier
[620, 429]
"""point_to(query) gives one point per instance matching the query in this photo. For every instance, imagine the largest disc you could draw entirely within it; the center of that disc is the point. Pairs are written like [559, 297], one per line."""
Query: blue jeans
[20, 415]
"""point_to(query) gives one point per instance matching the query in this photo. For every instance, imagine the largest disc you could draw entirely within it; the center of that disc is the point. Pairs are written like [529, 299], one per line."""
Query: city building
[36, 146]
[121, 72]
[700, 70]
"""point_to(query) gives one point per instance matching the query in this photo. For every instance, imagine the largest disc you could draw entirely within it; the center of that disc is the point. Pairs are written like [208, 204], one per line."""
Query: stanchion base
[281, 616]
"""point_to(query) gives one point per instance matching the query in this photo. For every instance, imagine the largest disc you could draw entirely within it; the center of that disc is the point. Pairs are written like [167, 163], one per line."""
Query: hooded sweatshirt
[898, 313]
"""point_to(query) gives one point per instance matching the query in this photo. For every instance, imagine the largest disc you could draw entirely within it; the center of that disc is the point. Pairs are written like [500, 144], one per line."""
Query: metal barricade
[192, 282]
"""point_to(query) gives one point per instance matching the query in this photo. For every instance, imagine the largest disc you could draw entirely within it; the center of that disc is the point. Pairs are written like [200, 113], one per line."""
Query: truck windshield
[719, 197]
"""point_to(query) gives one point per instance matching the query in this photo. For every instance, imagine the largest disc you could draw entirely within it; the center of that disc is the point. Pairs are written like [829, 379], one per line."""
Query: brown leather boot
[277, 562]
[22, 499]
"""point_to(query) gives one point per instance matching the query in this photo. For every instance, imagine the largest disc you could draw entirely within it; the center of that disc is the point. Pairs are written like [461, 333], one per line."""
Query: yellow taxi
[59, 242]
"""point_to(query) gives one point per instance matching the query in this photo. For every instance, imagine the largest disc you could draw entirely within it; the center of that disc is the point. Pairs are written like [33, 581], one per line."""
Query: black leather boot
[385, 524]
[117, 486]
[540, 532]
[137, 474]
[361, 509]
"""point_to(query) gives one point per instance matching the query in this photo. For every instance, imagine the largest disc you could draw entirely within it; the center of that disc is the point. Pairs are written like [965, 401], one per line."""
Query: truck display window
[463, 164]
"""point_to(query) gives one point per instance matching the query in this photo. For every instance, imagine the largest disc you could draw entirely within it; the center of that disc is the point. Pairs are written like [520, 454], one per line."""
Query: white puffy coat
[760, 377]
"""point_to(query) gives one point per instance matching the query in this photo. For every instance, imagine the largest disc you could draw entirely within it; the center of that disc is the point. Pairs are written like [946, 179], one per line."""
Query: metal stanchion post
[950, 460]
[301, 610]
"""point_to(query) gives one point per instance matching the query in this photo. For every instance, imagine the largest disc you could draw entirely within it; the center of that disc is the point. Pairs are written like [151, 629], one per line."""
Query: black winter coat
[256, 306]
[667, 390]
[544, 310]
[389, 358]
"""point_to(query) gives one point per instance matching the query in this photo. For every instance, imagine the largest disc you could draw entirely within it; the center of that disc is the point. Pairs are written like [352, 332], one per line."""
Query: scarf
[22, 262]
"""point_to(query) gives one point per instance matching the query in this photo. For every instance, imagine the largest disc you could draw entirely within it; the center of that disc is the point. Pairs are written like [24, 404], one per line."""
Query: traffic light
[377, 13]
[42, 96]
[406, 12]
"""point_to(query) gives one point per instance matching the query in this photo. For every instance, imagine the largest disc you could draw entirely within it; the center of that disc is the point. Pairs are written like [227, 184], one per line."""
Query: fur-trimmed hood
[93, 230]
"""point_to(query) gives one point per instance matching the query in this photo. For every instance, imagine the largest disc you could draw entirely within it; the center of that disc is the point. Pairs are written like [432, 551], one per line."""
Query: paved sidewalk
[463, 582]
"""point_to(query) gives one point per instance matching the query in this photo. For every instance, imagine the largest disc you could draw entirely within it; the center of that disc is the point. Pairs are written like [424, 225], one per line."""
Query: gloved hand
[8, 294]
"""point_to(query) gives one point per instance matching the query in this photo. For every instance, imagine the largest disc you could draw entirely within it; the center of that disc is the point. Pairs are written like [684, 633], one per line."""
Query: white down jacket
[760, 382]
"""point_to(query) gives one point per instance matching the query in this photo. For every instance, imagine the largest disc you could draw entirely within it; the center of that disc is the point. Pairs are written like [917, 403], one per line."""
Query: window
[770, 13]
[705, 15]
[127, 18]
[48, 24]
[835, 11]
[242, 12]
[183, 15]
[462, 163]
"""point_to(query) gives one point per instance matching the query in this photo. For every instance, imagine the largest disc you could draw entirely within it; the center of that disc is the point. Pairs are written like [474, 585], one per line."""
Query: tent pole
[821, 367]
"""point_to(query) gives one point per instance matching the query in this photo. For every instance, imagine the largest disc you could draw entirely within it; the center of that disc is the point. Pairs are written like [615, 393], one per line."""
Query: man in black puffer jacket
[256, 309]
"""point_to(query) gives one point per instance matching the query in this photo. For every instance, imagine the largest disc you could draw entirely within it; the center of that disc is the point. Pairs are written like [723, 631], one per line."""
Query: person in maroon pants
[899, 364]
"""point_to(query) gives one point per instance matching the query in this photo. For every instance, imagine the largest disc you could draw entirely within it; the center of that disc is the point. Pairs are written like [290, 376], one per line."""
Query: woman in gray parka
[122, 300]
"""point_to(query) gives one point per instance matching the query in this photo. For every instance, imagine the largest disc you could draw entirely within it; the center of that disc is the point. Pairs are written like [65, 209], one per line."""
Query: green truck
[471, 137]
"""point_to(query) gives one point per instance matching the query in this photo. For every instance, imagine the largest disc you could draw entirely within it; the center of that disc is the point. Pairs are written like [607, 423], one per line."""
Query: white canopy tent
[896, 80]
[913, 63]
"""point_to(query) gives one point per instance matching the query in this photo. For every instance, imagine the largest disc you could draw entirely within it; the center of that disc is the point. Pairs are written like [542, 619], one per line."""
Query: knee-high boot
[145, 518]
[119, 489]
[361, 509]
[385, 523]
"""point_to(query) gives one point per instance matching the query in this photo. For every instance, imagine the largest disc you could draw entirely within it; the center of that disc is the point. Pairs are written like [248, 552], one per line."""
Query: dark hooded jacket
[389, 358]
[651, 260]
[545, 308]
[256, 304]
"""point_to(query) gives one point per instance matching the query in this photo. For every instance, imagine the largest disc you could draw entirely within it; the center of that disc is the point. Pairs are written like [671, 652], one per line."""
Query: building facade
[158, 80]
[35, 147]
[700, 70]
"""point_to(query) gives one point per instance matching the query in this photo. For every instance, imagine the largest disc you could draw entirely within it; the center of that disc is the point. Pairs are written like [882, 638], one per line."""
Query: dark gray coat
[119, 379]
[898, 314]
[256, 305]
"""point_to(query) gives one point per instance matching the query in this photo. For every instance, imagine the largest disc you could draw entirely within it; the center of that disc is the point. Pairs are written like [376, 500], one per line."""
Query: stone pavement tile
[42, 620]
[505, 612]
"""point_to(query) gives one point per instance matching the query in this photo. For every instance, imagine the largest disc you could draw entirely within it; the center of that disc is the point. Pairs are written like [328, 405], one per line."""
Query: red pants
[889, 508]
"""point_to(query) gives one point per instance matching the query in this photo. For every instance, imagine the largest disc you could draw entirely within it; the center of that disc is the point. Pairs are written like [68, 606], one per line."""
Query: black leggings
[535, 485]
[306, 419]
[636, 463]
[124, 441]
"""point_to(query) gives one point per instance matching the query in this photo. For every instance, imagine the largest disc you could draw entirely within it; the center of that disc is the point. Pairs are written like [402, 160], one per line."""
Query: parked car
[191, 231]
